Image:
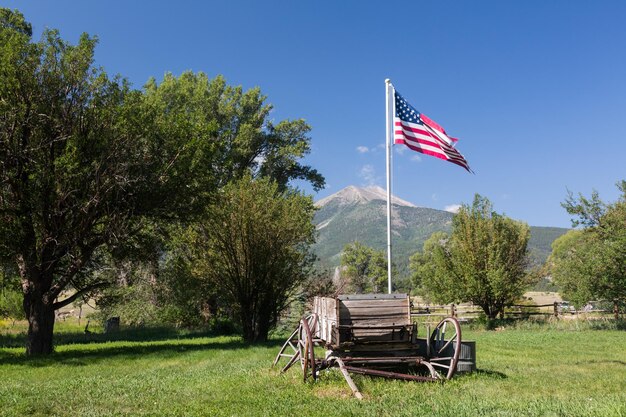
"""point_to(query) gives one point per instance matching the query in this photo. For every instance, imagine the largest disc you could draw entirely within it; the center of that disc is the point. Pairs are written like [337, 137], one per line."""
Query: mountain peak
[352, 194]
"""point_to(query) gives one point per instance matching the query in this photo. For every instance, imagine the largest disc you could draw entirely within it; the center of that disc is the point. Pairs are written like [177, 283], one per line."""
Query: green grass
[539, 371]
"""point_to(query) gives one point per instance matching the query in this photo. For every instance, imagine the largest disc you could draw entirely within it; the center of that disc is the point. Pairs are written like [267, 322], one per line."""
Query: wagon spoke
[291, 362]
[446, 358]
[447, 343]
[440, 345]
[288, 342]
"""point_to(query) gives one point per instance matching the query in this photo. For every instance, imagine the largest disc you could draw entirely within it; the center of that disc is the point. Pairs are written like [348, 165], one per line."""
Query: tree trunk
[262, 329]
[490, 311]
[40, 317]
[255, 326]
[247, 324]
[248, 331]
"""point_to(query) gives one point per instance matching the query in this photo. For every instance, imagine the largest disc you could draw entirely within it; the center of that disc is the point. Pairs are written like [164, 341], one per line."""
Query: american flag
[421, 134]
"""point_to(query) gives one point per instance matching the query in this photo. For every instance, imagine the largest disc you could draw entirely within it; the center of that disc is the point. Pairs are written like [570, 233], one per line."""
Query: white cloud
[452, 208]
[434, 197]
[362, 149]
[368, 174]
[416, 158]
[400, 149]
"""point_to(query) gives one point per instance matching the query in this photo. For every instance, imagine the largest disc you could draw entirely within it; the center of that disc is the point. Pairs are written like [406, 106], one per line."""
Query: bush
[11, 304]
[223, 326]
[132, 304]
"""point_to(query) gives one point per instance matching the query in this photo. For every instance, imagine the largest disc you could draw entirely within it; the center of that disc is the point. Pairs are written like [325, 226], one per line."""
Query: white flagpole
[389, 118]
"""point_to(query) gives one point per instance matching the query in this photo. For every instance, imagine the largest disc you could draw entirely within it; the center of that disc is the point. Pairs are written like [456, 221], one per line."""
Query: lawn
[534, 371]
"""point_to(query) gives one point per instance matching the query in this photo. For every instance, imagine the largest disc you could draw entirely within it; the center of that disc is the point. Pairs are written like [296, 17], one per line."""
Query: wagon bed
[372, 334]
[365, 322]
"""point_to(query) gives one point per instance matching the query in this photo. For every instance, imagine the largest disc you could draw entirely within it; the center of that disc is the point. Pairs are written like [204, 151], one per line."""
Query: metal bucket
[467, 357]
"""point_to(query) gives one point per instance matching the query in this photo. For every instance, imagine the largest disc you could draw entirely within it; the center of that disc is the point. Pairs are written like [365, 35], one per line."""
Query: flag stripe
[418, 129]
[412, 130]
[437, 155]
[421, 140]
[432, 148]
[418, 141]
[422, 134]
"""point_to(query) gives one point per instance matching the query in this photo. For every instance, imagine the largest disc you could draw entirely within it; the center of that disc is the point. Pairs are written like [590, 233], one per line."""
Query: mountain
[360, 214]
[352, 194]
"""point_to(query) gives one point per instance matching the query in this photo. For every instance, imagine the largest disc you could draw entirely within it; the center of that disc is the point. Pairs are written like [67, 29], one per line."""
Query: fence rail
[470, 312]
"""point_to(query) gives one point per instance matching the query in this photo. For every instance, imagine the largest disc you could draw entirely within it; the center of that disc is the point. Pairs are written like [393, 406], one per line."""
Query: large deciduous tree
[253, 246]
[363, 268]
[591, 263]
[69, 171]
[220, 132]
[484, 260]
[571, 266]
[86, 163]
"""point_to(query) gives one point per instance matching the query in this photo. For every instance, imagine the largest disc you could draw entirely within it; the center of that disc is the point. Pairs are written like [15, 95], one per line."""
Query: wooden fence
[468, 312]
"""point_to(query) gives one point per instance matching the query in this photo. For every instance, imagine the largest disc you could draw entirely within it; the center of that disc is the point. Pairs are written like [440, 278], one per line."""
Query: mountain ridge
[359, 214]
[353, 194]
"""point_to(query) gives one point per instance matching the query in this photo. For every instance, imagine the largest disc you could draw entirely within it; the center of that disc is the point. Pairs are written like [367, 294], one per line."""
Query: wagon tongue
[392, 375]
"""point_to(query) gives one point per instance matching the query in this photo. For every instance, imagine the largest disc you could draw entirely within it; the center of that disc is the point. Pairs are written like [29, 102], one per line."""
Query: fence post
[453, 310]
[556, 309]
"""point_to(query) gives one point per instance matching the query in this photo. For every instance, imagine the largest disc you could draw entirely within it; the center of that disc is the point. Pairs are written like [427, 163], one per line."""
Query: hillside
[360, 214]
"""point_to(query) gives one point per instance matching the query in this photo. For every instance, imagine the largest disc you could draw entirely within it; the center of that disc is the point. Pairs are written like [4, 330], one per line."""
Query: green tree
[365, 268]
[483, 260]
[10, 294]
[218, 132]
[254, 247]
[212, 133]
[185, 295]
[429, 275]
[591, 263]
[67, 173]
[87, 164]
[571, 266]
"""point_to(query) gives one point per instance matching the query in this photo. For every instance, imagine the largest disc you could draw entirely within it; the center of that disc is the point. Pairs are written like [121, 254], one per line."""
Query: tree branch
[78, 293]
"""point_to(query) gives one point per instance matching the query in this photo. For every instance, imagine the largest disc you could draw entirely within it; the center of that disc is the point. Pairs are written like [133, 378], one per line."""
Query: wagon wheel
[306, 346]
[289, 350]
[445, 346]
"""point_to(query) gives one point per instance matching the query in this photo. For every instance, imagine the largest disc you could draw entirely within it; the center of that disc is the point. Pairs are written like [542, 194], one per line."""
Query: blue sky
[534, 90]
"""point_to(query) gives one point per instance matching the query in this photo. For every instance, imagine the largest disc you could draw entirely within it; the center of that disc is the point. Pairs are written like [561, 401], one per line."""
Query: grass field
[534, 370]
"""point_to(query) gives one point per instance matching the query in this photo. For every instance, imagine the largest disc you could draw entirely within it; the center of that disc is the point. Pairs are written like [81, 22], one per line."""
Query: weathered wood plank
[383, 318]
[402, 349]
[390, 321]
[403, 304]
[373, 327]
[372, 311]
[326, 310]
[385, 311]
[371, 296]
[368, 303]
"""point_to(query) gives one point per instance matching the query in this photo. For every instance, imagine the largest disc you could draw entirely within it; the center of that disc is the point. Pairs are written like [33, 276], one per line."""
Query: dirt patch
[333, 392]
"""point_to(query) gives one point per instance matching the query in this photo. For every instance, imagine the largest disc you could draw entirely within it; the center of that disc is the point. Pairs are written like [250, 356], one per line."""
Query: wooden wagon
[371, 334]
